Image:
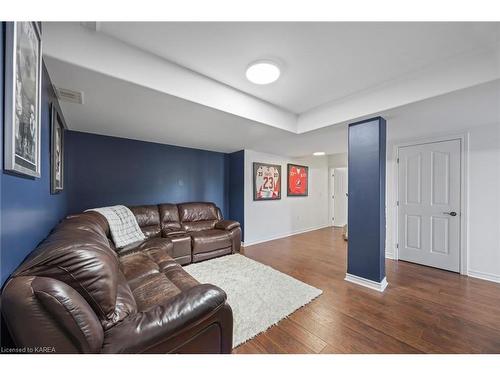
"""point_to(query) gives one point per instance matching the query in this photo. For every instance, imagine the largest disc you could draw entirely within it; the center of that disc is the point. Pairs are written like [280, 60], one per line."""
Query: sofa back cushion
[148, 219]
[198, 216]
[78, 254]
[90, 221]
[169, 218]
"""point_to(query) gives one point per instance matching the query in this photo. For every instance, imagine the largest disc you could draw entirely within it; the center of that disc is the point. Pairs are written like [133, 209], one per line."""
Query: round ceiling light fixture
[263, 72]
[319, 153]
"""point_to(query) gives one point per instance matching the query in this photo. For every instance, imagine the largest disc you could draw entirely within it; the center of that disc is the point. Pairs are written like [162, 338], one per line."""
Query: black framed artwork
[23, 77]
[266, 182]
[57, 127]
[297, 180]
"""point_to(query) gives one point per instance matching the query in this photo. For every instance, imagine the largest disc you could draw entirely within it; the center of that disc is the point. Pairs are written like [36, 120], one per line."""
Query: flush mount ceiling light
[319, 153]
[263, 72]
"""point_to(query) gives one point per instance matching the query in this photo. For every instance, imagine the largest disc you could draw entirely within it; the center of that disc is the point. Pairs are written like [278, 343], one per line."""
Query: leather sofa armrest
[176, 232]
[166, 327]
[45, 312]
[227, 224]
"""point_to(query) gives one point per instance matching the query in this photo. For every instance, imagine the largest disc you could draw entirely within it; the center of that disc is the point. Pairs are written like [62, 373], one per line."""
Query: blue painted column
[237, 189]
[366, 203]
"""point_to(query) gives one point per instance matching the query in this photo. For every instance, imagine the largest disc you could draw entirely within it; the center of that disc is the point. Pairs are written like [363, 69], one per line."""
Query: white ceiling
[118, 108]
[451, 113]
[321, 62]
[203, 101]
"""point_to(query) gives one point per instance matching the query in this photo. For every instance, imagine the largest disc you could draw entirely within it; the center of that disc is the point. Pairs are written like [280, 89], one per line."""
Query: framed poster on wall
[297, 180]
[57, 127]
[266, 182]
[23, 72]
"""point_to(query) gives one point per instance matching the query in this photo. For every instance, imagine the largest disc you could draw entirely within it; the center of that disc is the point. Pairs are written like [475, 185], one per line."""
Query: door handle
[452, 213]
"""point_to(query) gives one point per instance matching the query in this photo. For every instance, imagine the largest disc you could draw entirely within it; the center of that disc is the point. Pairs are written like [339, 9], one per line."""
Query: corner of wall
[27, 202]
[268, 220]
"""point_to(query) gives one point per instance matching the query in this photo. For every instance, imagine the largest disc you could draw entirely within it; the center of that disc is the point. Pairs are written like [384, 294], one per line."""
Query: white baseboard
[277, 237]
[390, 255]
[484, 276]
[378, 286]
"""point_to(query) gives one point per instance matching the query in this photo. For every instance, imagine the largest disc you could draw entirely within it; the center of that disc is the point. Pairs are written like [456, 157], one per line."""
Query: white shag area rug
[259, 295]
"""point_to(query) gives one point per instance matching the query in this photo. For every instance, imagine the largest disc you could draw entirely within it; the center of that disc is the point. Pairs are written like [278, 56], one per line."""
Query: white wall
[266, 220]
[338, 160]
[476, 112]
[484, 201]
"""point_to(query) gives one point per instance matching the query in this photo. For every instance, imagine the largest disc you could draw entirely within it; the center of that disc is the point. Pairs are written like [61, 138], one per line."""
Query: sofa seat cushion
[209, 240]
[138, 265]
[151, 290]
[142, 258]
[157, 288]
[154, 278]
[159, 249]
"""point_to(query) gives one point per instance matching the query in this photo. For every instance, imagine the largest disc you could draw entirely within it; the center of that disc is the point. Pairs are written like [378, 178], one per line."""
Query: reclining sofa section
[197, 230]
[77, 293]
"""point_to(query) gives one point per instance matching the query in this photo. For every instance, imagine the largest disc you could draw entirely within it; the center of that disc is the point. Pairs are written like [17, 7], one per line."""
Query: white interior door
[331, 197]
[340, 197]
[429, 204]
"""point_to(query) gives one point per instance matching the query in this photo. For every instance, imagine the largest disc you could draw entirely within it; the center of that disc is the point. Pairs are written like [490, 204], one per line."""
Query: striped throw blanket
[122, 224]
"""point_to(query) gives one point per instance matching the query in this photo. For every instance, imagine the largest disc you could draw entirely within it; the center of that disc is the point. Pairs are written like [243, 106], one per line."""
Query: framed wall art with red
[297, 180]
[266, 182]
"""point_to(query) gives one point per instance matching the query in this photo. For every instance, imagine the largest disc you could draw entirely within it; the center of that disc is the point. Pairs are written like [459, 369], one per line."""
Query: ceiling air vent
[70, 96]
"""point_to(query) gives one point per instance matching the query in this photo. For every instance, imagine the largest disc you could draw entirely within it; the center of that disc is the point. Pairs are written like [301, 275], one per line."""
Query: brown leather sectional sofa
[76, 293]
[197, 230]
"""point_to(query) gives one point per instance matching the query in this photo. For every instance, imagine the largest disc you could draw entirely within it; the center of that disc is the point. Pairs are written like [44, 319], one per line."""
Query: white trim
[331, 202]
[484, 276]
[286, 235]
[389, 255]
[464, 190]
[378, 286]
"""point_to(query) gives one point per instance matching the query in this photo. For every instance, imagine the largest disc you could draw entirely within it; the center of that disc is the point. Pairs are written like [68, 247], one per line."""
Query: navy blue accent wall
[366, 204]
[2, 73]
[28, 210]
[107, 170]
[237, 189]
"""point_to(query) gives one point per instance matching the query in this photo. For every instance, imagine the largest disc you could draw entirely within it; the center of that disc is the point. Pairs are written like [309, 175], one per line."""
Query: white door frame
[331, 202]
[464, 191]
[332, 197]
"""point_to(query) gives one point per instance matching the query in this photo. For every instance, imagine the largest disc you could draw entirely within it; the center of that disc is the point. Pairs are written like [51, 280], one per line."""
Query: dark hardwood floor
[423, 310]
